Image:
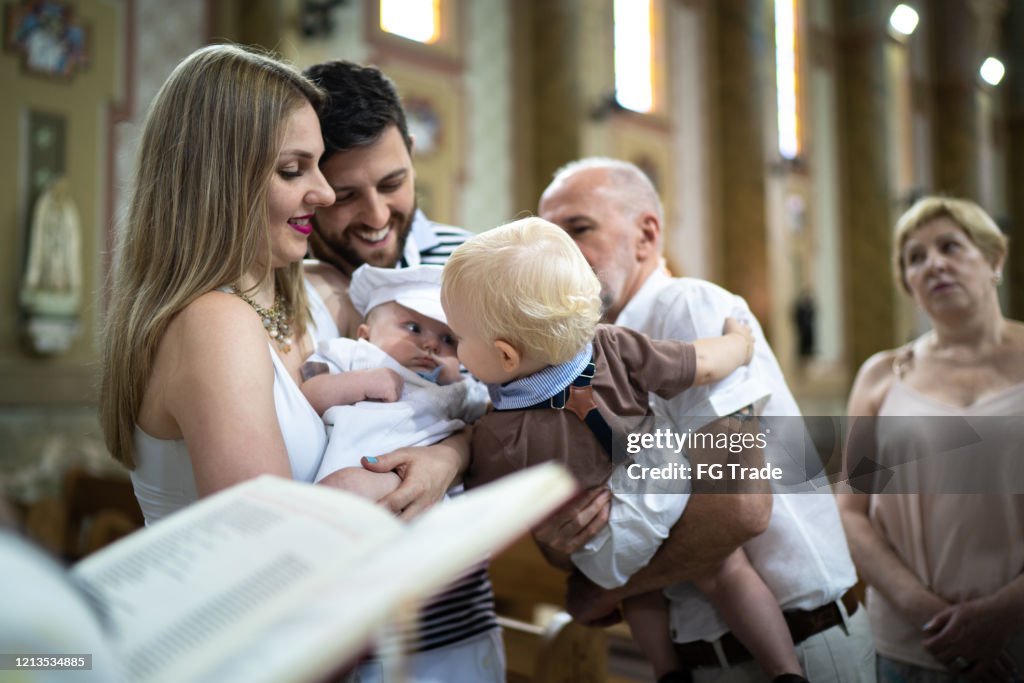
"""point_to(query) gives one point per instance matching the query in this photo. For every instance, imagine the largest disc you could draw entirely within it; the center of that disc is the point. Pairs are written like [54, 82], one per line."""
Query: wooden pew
[91, 512]
[542, 643]
[523, 580]
[562, 651]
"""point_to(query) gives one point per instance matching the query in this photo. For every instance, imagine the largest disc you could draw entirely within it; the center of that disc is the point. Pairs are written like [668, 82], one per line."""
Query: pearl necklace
[275, 320]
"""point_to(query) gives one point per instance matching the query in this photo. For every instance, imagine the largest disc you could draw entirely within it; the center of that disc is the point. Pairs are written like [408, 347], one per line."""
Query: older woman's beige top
[960, 545]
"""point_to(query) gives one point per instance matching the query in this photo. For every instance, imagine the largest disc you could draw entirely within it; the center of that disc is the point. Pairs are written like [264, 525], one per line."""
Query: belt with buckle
[802, 625]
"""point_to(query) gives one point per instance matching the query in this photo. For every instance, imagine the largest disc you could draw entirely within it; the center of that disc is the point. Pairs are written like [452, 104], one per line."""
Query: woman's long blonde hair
[197, 219]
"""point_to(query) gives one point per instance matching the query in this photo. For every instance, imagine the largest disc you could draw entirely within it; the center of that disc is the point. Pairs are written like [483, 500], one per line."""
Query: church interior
[785, 137]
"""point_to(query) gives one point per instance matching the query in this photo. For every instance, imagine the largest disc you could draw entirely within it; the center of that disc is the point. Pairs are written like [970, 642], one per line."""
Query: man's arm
[714, 524]
[572, 525]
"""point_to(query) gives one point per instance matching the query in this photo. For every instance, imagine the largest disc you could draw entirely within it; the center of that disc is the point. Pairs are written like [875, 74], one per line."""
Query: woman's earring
[997, 277]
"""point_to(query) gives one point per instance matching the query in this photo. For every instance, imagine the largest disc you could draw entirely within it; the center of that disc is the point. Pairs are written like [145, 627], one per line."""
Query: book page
[393, 582]
[184, 593]
[274, 580]
[481, 522]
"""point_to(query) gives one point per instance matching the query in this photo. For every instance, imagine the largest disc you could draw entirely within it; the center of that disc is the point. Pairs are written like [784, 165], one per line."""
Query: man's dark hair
[361, 103]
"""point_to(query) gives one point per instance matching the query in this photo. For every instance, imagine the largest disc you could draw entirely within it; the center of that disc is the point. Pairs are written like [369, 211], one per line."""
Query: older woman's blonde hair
[526, 283]
[978, 225]
[197, 219]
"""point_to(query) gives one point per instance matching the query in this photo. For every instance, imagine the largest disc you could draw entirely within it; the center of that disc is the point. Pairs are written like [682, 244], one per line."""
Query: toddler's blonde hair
[526, 283]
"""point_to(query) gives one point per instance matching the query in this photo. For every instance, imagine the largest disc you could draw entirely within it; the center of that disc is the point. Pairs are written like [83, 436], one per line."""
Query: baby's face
[414, 340]
[477, 353]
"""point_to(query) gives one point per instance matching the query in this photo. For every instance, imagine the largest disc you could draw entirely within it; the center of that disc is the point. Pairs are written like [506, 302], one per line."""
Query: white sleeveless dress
[321, 323]
[163, 479]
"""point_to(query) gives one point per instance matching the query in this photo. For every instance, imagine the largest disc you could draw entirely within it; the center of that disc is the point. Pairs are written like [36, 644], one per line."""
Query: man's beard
[346, 258]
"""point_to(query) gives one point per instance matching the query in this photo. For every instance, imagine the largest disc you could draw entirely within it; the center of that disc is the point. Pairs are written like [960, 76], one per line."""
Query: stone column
[869, 292]
[955, 56]
[549, 105]
[741, 48]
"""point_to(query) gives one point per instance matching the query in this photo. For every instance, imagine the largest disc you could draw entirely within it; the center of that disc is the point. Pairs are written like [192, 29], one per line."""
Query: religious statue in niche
[45, 35]
[51, 291]
[424, 125]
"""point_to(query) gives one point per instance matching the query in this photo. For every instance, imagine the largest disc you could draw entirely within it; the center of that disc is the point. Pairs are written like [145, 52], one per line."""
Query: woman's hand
[427, 472]
[918, 604]
[967, 636]
[1002, 669]
[570, 527]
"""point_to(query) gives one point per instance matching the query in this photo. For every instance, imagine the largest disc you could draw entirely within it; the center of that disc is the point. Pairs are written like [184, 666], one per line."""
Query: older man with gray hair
[612, 211]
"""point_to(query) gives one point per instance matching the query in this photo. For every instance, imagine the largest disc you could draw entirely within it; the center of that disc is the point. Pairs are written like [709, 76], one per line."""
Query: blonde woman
[945, 571]
[207, 323]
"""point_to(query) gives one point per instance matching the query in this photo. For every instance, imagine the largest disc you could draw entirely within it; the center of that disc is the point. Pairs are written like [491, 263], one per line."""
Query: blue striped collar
[540, 386]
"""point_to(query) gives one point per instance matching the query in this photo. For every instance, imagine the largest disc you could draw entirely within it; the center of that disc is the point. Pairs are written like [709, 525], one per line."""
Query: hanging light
[904, 19]
[992, 71]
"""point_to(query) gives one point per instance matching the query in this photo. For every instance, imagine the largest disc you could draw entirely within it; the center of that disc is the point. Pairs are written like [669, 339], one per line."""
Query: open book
[273, 580]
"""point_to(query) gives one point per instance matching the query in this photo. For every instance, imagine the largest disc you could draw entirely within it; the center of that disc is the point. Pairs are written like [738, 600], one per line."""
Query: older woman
[945, 570]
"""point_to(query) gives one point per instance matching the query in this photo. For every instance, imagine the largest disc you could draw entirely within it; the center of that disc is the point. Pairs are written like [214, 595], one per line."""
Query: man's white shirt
[803, 556]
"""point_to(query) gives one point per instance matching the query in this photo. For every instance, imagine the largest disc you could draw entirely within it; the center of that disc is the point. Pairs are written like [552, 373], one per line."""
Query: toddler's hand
[383, 384]
[742, 331]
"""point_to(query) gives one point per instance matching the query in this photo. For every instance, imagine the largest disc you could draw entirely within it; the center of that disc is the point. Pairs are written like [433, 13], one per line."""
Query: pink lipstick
[302, 224]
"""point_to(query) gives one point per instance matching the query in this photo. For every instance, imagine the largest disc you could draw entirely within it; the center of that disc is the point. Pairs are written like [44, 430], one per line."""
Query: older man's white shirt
[803, 556]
